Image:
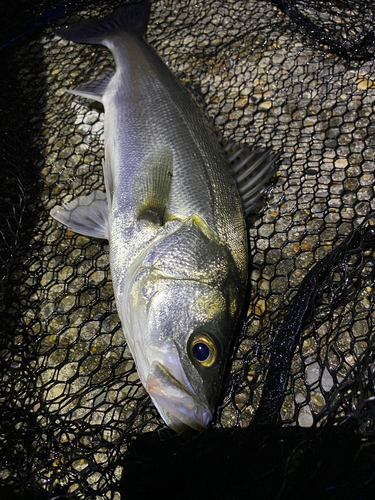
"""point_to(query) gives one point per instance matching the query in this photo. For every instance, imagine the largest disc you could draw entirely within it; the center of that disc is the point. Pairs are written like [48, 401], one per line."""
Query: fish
[173, 211]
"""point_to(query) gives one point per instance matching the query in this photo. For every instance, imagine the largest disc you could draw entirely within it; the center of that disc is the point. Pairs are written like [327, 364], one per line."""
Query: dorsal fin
[252, 170]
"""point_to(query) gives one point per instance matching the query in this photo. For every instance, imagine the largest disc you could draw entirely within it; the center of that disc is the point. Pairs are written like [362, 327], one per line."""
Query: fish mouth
[178, 406]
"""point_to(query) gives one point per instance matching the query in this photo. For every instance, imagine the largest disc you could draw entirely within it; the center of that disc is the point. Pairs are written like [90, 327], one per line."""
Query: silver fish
[174, 219]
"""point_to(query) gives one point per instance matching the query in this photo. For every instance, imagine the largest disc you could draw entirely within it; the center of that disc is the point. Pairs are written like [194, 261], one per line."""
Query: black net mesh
[294, 76]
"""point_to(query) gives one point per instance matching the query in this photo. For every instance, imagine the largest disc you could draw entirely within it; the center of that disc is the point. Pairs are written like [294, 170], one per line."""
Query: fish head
[189, 333]
[181, 309]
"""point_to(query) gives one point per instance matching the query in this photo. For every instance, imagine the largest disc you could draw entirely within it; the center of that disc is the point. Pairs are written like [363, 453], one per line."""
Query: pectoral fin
[151, 187]
[87, 215]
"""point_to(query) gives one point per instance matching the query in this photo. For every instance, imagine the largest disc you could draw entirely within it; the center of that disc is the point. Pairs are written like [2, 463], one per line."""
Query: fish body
[174, 219]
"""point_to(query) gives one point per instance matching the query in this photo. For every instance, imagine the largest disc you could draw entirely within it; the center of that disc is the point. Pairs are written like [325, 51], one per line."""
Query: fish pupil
[201, 351]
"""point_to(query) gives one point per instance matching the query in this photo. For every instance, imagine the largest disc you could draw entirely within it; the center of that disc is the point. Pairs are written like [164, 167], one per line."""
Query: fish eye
[203, 349]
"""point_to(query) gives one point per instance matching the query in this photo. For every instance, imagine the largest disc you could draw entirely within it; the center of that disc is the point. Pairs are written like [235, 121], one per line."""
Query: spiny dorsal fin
[252, 170]
[151, 186]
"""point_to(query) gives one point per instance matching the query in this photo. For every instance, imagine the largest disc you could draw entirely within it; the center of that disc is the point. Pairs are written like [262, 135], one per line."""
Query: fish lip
[179, 407]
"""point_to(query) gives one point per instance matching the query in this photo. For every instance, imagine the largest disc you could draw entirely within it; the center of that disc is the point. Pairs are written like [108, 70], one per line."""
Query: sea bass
[173, 216]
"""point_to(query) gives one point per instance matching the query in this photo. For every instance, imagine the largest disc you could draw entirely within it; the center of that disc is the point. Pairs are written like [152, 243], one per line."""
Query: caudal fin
[133, 16]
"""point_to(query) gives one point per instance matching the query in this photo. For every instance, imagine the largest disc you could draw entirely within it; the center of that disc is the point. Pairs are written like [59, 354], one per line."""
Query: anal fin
[95, 88]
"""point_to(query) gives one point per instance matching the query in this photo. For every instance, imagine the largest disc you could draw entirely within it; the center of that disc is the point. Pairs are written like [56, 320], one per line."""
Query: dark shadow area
[24, 20]
[20, 188]
[260, 463]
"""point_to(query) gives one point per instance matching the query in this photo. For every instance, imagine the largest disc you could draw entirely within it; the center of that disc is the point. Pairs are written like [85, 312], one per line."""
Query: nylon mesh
[294, 76]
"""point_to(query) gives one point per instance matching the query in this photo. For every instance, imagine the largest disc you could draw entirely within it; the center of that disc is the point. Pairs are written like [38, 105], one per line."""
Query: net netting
[294, 76]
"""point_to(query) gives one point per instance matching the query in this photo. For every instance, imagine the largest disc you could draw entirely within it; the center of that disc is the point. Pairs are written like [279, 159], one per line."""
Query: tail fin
[134, 16]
